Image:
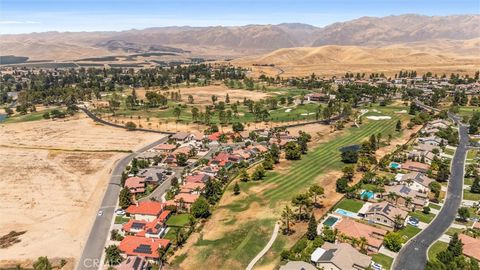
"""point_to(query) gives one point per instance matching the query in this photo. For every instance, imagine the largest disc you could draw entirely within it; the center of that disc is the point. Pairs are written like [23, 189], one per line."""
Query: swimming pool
[395, 165]
[368, 194]
[330, 221]
[346, 213]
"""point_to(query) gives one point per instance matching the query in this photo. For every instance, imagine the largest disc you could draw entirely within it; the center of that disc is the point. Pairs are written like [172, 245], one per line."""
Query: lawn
[449, 151]
[452, 231]
[468, 181]
[34, 116]
[349, 205]
[229, 249]
[170, 235]
[121, 220]
[179, 220]
[408, 232]
[467, 195]
[434, 206]
[471, 154]
[422, 216]
[436, 248]
[384, 260]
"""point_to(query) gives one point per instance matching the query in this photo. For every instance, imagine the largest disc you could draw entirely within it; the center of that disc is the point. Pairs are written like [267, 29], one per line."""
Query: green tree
[130, 126]
[287, 219]
[292, 151]
[42, 263]
[398, 126]
[475, 188]
[124, 199]
[393, 241]
[259, 173]
[177, 112]
[328, 234]
[236, 189]
[463, 213]
[190, 99]
[181, 159]
[195, 113]
[244, 175]
[200, 208]
[316, 191]
[113, 255]
[302, 201]
[342, 185]
[312, 228]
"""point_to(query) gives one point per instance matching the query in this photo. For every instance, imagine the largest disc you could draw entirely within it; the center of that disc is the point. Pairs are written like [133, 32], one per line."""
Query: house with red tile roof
[185, 200]
[141, 246]
[352, 229]
[214, 136]
[146, 210]
[197, 178]
[192, 187]
[165, 148]
[471, 246]
[415, 166]
[150, 229]
[224, 159]
[135, 184]
[258, 147]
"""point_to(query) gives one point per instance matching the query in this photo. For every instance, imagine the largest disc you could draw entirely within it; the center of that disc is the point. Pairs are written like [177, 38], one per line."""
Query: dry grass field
[53, 176]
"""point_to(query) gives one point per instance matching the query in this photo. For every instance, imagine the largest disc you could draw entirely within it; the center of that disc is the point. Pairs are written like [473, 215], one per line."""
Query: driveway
[413, 255]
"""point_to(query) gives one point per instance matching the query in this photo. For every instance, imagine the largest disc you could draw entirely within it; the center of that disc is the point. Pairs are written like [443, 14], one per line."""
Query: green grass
[34, 116]
[449, 151]
[422, 216]
[179, 220]
[384, 260]
[434, 206]
[408, 232]
[471, 154]
[350, 205]
[436, 248]
[170, 235]
[468, 181]
[467, 195]
[452, 231]
[229, 248]
[121, 220]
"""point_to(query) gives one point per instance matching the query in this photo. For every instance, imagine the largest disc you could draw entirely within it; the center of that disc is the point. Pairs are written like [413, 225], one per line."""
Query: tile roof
[387, 209]
[150, 208]
[135, 182]
[344, 256]
[187, 197]
[355, 229]
[141, 246]
[133, 263]
[471, 246]
[197, 178]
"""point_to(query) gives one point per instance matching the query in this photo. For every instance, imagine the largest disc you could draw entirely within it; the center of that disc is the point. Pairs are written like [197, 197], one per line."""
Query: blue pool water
[2, 117]
[394, 165]
[330, 221]
[345, 213]
[368, 194]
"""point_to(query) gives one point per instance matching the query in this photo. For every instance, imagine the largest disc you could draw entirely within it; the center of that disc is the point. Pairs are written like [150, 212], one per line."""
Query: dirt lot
[53, 175]
[203, 95]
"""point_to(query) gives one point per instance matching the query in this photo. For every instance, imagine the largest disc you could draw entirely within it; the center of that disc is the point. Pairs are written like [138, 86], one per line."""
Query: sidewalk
[383, 250]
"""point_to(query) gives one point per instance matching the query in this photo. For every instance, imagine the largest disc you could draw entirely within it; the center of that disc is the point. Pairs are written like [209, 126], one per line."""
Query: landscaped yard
[471, 154]
[434, 206]
[350, 205]
[422, 216]
[408, 232]
[468, 181]
[179, 220]
[449, 151]
[436, 248]
[467, 195]
[384, 260]
[452, 231]
[121, 220]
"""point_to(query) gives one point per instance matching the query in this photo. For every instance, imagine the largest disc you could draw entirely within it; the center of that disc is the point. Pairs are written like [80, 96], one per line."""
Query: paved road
[266, 248]
[413, 255]
[92, 252]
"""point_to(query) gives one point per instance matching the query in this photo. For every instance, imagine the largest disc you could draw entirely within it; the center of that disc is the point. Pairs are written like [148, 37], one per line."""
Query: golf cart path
[266, 248]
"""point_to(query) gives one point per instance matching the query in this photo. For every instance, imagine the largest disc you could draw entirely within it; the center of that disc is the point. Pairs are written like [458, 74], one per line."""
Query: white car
[120, 212]
[376, 266]
[100, 213]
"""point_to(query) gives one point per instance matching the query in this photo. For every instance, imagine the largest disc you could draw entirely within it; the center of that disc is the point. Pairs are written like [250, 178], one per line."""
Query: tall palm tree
[362, 243]
[287, 219]
[398, 222]
[391, 196]
[408, 201]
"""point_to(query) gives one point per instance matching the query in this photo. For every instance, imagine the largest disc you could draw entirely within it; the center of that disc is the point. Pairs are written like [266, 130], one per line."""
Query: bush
[130, 126]
[200, 208]
[393, 241]
[426, 210]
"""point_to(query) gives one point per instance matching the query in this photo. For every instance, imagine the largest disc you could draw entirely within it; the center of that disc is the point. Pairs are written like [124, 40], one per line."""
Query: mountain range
[235, 41]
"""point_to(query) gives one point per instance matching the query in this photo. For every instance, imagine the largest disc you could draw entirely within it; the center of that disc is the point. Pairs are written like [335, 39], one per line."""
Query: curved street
[413, 255]
[93, 249]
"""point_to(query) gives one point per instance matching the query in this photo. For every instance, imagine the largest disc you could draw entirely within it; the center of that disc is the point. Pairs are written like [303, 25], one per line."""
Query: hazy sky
[24, 16]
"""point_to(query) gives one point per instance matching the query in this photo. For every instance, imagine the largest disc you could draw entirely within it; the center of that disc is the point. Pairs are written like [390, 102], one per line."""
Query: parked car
[413, 221]
[376, 266]
[120, 212]
[100, 213]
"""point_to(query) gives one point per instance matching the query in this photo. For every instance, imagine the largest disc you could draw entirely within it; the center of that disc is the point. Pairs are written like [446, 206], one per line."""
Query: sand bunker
[375, 118]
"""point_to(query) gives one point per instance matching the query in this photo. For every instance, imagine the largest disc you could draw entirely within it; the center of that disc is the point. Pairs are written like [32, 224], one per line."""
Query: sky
[26, 16]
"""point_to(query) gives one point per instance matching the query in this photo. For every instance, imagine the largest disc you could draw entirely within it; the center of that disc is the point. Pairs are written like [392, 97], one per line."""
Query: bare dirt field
[53, 176]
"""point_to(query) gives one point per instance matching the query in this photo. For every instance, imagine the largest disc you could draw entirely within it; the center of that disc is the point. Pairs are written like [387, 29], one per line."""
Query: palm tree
[398, 222]
[362, 244]
[287, 219]
[392, 196]
[354, 242]
[162, 256]
[408, 201]
[409, 182]
[301, 201]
